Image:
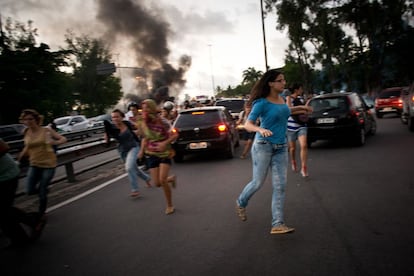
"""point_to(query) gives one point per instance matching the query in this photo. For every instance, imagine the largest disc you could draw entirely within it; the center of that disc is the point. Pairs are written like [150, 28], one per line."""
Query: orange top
[41, 153]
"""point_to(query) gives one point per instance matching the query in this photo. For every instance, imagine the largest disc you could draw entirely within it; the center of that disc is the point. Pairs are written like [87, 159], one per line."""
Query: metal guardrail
[69, 153]
[17, 146]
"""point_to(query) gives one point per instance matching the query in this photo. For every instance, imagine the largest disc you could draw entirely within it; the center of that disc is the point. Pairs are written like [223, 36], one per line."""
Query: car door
[363, 109]
[77, 123]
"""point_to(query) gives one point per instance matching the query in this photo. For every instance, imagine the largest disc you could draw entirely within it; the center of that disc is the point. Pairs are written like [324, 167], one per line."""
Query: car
[407, 114]
[205, 129]
[233, 105]
[71, 123]
[12, 132]
[389, 101]
[98, 121]
[340, 116]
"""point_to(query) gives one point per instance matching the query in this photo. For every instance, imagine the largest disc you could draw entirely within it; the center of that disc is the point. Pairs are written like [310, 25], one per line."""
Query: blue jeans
[267, 156]
[43, 176]
[131, 167]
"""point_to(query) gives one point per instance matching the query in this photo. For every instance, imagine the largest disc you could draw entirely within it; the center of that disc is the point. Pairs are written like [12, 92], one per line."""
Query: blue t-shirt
[273, 117]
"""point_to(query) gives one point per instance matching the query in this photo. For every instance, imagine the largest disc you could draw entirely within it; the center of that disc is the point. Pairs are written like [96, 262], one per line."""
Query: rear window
[325, 104]
[232, 105]
[390, 94]
[197, 118]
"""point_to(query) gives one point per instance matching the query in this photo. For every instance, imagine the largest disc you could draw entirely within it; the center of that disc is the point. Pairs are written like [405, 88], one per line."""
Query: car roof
[394, 88]
[202, 108]
[229, 99]
[333, 95]
[68, 117]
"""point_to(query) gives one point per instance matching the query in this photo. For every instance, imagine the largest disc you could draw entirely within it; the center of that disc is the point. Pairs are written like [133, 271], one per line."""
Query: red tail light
[222, 127]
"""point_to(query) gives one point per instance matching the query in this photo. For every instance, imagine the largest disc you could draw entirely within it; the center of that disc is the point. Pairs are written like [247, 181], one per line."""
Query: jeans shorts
[155, 161]
[293, 135]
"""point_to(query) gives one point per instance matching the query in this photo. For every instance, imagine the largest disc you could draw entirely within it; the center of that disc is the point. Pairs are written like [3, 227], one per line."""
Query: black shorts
[155, 161]
[248, 135]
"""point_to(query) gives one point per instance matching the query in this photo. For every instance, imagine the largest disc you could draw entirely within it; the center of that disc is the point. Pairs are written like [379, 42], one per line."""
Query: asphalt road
[353, 216]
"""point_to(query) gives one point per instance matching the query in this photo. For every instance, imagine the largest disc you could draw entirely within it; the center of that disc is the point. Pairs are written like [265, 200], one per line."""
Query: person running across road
[12, 218]
[247, 136]
[297, 130]
[156, 142]
[38, 146]
[269, 149]
[128, 148]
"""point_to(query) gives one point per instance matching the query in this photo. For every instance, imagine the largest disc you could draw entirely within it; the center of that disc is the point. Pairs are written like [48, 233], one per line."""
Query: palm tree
[250, 76]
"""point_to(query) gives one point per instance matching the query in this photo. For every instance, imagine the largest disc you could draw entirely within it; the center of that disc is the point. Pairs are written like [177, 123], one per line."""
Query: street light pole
[211, 68]
[264, 34]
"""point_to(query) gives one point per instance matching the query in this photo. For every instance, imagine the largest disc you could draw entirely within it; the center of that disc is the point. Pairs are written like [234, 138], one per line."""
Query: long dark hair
[261, 89]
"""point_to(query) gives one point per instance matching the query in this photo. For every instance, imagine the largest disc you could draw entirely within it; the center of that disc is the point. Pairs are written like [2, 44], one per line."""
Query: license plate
[388, 109]
[201, 145]
[326, 120]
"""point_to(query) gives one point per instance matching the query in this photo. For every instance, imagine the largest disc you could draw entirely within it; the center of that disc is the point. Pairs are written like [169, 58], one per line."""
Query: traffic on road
[352, 215]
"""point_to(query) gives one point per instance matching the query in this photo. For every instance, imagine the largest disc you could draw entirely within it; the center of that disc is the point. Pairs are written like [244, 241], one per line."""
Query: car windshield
[62, 121]
[325, 104]
[232, 105]
[197, 118]
[389, 94]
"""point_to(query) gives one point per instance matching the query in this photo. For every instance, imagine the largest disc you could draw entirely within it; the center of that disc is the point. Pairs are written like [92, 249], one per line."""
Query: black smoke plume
[148, 33]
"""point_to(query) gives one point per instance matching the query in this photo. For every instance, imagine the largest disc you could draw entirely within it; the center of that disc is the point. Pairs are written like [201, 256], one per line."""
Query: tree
[251, 76]
[360, 44]
[30, 75]
[94, 93]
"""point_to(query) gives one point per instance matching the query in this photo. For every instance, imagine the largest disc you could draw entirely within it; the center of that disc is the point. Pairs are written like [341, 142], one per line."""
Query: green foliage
[361, 45]
[31, 75]
[94, 93]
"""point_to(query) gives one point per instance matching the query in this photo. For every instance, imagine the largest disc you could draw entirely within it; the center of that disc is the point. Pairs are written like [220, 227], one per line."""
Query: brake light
[222, 127]
[412, 98]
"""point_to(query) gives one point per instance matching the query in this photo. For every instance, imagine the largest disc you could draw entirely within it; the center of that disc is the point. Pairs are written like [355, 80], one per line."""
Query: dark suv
[389, 101]
[233, 105]
[340, 116]
[205, 129]
[407, 115]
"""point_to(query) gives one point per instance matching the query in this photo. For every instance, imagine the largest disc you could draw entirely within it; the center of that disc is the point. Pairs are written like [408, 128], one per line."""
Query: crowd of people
[273, 123]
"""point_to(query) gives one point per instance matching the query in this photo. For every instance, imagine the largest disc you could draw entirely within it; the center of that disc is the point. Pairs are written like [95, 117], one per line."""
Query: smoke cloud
[148, 35]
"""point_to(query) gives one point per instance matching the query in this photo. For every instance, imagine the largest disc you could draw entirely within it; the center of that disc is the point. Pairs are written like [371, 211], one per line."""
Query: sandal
[169, 210]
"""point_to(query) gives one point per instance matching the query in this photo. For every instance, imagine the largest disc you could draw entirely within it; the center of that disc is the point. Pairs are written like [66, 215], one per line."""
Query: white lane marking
[70, 200]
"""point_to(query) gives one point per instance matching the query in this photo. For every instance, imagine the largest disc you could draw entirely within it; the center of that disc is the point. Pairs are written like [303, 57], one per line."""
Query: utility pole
[211, 69]
[264, 34]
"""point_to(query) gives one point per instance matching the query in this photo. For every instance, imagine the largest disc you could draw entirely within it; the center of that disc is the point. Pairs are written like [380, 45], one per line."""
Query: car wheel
[360, 139]
[373, 129]
[404, 118]
[309, 143]
[230, 150]
[410, 123]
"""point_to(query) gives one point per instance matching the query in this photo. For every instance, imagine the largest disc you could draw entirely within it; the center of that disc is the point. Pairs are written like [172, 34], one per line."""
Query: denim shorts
[293, 135]
[155, 161]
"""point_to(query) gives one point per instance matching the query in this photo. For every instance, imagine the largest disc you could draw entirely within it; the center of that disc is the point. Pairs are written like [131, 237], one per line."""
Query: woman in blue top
[269, 149]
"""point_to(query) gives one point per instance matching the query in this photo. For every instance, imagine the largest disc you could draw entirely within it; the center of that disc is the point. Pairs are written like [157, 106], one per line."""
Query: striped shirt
[293, 124]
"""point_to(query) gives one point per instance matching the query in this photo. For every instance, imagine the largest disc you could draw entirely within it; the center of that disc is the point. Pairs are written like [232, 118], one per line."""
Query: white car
[71, 123]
